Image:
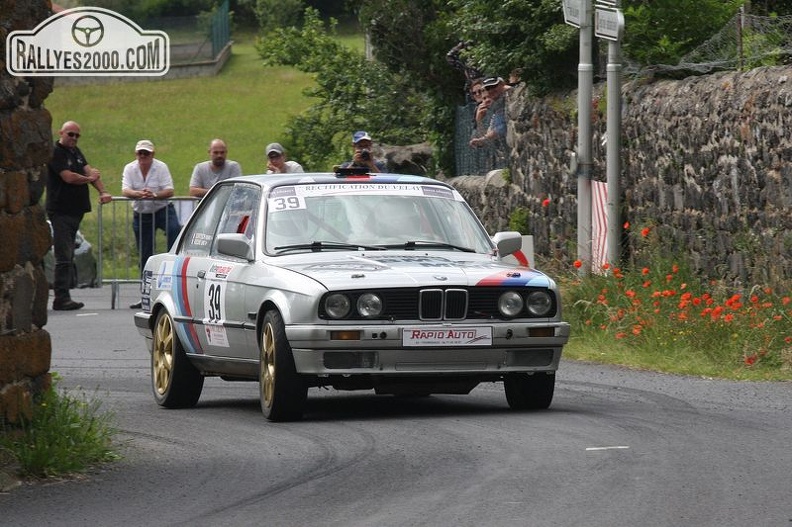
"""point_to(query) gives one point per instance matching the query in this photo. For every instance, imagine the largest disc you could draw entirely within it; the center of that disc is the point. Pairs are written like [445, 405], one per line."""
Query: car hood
[410, 269]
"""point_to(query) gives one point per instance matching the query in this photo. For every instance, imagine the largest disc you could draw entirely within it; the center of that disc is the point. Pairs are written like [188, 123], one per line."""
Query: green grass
[68, 433]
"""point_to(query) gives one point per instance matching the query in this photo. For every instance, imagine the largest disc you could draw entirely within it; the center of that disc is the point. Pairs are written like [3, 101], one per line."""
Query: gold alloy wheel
[267, 366]
[163, 354]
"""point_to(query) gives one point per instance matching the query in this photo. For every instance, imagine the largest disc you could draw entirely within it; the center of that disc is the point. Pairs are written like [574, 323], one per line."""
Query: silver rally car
[353, 281]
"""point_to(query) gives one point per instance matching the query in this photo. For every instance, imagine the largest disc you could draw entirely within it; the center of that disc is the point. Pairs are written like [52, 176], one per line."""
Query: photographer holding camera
[363, 158]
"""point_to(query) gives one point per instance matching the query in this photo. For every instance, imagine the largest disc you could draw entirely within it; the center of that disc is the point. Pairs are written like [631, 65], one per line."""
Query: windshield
[349, 216]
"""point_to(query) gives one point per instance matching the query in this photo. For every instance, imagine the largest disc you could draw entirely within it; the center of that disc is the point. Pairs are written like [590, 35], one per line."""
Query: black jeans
[64, 229]
[145, 226]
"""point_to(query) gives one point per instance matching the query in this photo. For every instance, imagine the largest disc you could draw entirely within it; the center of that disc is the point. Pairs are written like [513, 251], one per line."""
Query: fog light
[348, 360]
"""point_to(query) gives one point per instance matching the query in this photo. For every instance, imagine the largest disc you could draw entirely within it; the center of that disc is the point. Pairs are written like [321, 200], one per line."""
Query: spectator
[218, 168]
[277, 163]
[148, 181]
[457, 62]
[363, 158]
[68, 199]
[496, 127]
[479, 96]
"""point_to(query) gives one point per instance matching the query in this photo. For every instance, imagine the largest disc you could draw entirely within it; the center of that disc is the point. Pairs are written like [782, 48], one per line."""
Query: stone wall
[705, 164]
[25, 149]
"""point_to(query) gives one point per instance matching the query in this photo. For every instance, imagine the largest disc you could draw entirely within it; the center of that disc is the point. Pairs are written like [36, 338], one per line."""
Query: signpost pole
[613, 151]
[578, 13]
[609, 24]
[585, 88]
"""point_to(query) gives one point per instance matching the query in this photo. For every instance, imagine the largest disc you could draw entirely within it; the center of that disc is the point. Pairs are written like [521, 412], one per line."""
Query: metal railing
[118, 243]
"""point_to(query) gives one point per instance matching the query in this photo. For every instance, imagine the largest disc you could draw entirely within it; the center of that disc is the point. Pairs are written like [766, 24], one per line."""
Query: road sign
[608, 23]
[573, 12]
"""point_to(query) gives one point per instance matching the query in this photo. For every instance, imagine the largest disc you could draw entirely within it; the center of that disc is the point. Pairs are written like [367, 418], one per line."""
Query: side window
[240, 215]
[201, 231]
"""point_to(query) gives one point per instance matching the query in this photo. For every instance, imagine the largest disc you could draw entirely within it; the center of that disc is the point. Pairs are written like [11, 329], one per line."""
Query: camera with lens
[365, 154]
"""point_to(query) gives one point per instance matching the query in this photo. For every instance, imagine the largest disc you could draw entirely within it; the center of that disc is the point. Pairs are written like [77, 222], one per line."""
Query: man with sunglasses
[149, 183]
[68, 199]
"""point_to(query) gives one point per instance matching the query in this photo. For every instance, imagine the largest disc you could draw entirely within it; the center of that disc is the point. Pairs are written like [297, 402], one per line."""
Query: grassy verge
[68, 432]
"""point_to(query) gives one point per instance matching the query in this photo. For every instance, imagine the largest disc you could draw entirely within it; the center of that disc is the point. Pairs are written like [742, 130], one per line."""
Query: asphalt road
[617, 448]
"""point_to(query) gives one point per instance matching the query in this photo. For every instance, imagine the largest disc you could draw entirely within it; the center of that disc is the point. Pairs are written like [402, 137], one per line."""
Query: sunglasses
[143, 153]
[73, 134]
[274, 155]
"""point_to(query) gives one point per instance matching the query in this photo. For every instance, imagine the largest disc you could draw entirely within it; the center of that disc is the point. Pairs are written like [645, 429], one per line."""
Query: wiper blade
[415, 244]
[318, 246]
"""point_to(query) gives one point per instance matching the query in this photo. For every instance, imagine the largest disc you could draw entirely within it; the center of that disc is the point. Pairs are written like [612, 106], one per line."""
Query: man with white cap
[363, 158]
[149, 183]
[277, 162]
[218, 168]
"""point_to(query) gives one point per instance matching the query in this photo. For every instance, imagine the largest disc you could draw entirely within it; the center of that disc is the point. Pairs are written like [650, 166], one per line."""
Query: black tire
[529, 391]
[176, 383]
[282, 390]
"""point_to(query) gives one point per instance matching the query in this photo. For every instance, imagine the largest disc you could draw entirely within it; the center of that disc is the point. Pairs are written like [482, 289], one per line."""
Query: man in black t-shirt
[68, 200]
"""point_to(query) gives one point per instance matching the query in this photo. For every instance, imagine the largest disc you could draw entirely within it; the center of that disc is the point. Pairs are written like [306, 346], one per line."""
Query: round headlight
[369, 305]
[510, 304]
[539, 303]
[337, 305]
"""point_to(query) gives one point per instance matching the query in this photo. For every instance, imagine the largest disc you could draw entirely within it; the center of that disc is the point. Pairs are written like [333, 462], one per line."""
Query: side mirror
[236, 245]
[508, 242]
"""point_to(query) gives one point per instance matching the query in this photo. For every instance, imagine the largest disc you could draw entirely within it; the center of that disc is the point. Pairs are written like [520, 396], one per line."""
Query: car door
[192, 265]
[221, 282]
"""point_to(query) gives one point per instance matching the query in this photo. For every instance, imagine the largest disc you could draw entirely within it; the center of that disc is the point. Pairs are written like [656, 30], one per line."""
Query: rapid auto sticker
[458, 336]
[215, 304]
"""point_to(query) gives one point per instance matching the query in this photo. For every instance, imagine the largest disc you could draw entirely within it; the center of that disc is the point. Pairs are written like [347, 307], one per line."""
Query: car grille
[437, 304]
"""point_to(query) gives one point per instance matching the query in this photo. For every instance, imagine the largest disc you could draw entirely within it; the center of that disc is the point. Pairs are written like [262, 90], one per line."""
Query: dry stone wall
[705, 164]
[25, 149]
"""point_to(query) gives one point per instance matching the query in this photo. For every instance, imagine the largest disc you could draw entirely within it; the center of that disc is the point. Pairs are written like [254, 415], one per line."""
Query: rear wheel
[283, 392]
[529, 391]
[175, 381]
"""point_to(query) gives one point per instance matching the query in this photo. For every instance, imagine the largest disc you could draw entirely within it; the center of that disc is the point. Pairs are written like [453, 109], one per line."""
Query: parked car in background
[85, 269]
[346, 280]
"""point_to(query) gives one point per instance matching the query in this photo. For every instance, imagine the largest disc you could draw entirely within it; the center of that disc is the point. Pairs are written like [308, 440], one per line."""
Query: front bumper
[380, 350]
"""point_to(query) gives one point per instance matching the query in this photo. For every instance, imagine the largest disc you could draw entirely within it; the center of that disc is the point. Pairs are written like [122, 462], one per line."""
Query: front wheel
[529, 391]
[175, 381]
[283, 392]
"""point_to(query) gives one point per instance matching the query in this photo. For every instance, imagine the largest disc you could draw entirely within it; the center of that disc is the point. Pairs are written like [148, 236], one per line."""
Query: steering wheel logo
[87, 31]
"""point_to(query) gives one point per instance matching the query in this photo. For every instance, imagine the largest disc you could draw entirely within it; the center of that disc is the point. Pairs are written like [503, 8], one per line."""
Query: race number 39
[214, 302]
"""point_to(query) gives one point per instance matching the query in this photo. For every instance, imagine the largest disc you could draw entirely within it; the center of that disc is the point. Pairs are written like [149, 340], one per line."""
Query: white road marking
[592, 448]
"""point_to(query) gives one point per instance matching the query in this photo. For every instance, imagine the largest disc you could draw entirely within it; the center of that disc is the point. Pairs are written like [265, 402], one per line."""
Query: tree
[527, 34]
[352, 93]
[663, 31]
